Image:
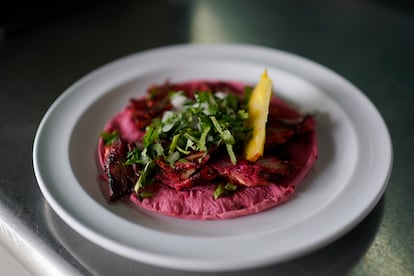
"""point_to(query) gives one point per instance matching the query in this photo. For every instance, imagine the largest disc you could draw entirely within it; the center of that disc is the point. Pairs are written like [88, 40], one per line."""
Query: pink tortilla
[197, 202]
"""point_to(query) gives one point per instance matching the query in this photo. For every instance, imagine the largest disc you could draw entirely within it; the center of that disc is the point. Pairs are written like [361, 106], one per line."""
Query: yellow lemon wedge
[258, 110]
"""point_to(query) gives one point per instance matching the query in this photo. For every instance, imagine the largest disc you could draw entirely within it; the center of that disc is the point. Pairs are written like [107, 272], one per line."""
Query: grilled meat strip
[121, 178]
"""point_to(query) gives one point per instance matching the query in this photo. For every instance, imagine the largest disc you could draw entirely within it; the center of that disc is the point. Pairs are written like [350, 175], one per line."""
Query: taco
[178, 151]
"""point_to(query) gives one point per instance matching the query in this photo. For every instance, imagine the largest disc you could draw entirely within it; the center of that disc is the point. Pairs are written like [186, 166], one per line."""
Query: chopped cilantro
[145, 176]
[192, 125]
[145, 194]
[219, 191]
[133, 157]
[227, 189]
[109, 137]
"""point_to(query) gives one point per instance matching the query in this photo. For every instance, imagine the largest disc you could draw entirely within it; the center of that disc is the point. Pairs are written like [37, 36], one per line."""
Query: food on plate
[207, 149]
[258, 110]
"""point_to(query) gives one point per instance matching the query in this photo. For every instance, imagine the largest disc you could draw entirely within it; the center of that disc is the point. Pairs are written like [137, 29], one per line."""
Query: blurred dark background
[23, 15]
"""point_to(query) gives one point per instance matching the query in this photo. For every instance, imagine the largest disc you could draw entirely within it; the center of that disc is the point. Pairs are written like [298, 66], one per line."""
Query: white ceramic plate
[352, 171]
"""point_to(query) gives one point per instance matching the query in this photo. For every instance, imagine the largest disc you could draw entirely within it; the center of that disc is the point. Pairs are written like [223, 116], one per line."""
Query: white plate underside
[347, 181]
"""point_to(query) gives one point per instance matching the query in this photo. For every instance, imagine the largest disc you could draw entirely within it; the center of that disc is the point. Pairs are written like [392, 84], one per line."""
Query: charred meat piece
[306, 125]
[121, 178]
[250, 174]
[190, 88]
[184, 173]
[273, 165]
[279, 131]
[152, 106]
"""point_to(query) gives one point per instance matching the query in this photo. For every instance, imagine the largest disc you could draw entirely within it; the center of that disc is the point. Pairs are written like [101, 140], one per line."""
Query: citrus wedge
[258, 110]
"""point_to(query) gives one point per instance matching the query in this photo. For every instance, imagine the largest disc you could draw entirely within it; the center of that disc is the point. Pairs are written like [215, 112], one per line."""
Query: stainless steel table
[370, 43]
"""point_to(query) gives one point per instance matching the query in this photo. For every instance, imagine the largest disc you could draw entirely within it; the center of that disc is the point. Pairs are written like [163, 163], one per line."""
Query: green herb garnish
[109, 137]
[193, 125]
[145, 176]
[146, 194]
[227, 189]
